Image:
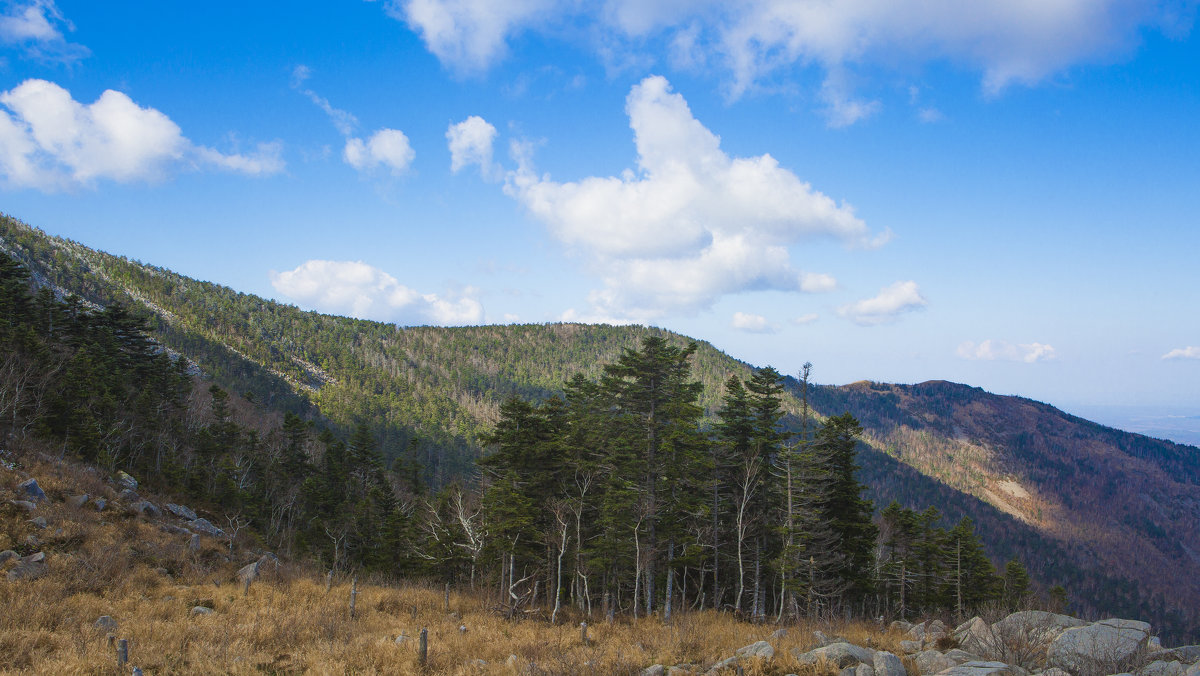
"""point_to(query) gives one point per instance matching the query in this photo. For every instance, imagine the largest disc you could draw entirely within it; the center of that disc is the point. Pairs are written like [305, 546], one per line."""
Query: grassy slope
[926, 444]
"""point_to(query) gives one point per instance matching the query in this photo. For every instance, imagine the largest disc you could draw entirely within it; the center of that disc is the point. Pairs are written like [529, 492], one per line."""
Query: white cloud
[752, 323]
[1190, 352]
[38, 27]
[470, 142]
[891, 302]
[806, 319]
[691, 224]
[357, 289]
[386, 148]
[1002, 350]
[48, 140]
[1006, 41]
[468, 35]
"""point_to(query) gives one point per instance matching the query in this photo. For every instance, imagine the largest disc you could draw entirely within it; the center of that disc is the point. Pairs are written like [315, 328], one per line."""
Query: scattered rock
[194, 545]
[1162, 668]
[174, 530]
[23, 504]
[29, 568]
[760, 649]
[38, 522]
[106, 623]
[887, 664]
[7, 555]
[127, 481]
[200, 610]
[32, 490]
[203, 526]
[864, 670]
[980, 669]
[910, 647]
[145, 508]
[77, 501]
[779, 633]
[653, 670]
[100, 504]
[975, 635]
[1188, 654]
[1106, 645]
[181, 512]
[840, 654]
[932, 662]
[250, 572]
[900, 625]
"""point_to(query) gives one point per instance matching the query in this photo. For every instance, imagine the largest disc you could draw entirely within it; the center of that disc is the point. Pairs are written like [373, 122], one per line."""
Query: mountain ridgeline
[1112, 517]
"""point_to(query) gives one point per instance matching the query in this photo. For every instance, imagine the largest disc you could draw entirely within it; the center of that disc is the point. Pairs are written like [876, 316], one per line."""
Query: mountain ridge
[935, 442]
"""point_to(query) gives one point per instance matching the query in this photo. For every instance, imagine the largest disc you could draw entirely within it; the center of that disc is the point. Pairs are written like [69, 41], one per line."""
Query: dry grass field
[148, 580]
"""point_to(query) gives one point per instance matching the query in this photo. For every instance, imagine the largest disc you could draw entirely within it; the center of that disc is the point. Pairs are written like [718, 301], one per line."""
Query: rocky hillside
[1111, 516]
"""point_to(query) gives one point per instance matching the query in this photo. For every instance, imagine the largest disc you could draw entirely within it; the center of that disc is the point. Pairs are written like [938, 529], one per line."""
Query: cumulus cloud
[357, 289]
[468, 35]
[805, 319]
[1006, 42]
[385, 149]
[886, 307]
[388, 148]
[691, 223]
[752, 323]
[50, 141]
[38, 27]
[1190, 352]
[1002, 350]
[470, 142]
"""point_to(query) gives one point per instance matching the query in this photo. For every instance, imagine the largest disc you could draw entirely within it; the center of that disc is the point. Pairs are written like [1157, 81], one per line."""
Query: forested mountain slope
[1083, 505]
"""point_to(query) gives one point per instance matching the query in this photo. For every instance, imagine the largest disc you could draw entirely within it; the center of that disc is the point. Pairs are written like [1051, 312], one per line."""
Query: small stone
[7, 555]
[100, 504]
[402, 639]
[779, 633]
[23, 504]
[106, 623]
[760, 649]
[653, 670]
[146, 508]
[39, 522]
[194, 545]
[77, 501]
[29, 567]
[32, 490]
[127, 481]
[200, 610]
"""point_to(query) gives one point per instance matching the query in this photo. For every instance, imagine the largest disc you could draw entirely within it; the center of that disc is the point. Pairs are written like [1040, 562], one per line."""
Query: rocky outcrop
[204, 527]
[181, 511]
[840, 654]
[1108, 645]
[32, 491]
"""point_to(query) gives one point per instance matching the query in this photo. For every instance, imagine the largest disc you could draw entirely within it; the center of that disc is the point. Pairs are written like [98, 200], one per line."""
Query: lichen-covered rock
[911, 647]
[1035, 625]
[977, 636]
[864, 670]
[1107, 645]
[127, 481]
[887, 664]
[39, 522]
[962, 656]
[7, 555]
[29, 568]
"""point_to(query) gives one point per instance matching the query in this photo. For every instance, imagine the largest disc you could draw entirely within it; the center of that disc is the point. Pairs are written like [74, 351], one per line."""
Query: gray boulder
[77, 501]
[962, 656]
[1037, 625]
[980, 669]
[181, 512]
[127, 481]
[1108, 645]
[128, 495]
[251, 571]
[39, 522]
[977, 636]
[760, 649]
[1193, 670]
[32, 490]
[840, 654]
[29, 568]
[1188, 654]
[106, 623]
[146, 508]
[911, 647]
[887, 664]
[1054, 671]
[100, 504]
[779, 633]
[1162, 668]
[7, 555]
[23, 504]
[652, 670]
[932, 662]
[204, 527]
[864, 670]
[900, 625]
[200, 610]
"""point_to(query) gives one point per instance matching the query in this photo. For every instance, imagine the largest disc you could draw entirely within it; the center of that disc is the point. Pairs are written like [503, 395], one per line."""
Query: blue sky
[999, 193]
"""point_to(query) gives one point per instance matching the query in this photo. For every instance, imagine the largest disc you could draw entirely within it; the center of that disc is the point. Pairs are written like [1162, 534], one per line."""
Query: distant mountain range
[1113, 516]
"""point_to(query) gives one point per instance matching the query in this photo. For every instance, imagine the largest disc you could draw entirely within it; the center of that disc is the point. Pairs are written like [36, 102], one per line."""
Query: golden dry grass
[106, 563]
